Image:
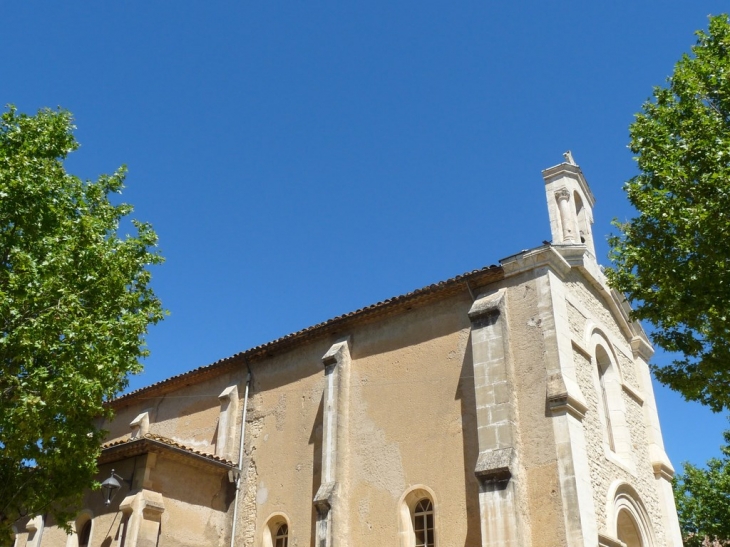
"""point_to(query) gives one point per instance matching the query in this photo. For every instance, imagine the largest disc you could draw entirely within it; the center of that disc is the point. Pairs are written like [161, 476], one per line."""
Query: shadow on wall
[315, 439]
[466, 395]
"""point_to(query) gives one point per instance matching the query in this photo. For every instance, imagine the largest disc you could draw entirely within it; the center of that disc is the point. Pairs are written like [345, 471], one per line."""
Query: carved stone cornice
[494, 465]
[564, 396]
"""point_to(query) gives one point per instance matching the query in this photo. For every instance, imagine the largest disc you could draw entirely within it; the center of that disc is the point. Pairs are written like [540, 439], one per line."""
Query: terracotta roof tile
[159, 440]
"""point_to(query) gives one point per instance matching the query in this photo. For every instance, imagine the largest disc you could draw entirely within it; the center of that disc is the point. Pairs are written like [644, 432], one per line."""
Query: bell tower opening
[570, 204]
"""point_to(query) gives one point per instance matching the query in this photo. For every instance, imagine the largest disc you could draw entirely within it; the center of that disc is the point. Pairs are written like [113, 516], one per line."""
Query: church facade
[510, 406]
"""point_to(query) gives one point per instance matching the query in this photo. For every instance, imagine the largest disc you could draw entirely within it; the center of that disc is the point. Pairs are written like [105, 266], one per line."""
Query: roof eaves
[150, 441]
[480, 277]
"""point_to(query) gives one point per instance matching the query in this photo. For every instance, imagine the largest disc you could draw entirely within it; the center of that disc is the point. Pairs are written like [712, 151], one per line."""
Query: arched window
[603, 364]
[276, 531]
[629, 517]
[580, 217]
[423, 524]
[418, 518]
[81, 536]
[282, 536]
[627, 529]
[611, 408]
[85, 534]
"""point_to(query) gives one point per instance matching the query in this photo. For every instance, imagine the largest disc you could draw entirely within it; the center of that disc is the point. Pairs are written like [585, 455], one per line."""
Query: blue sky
[300, 160]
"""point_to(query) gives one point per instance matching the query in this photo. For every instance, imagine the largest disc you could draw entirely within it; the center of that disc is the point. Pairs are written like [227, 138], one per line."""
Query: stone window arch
[418, 518]
[82, 529]
[630, 521]
[604, 369]
[277, 531]
[85, 534]
[627, 529]
[611, 409]
[580, 217]
[583, 220]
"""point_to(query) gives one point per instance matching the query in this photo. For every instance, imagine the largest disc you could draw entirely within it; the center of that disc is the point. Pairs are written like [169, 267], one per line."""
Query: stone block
[323, 497]
[494, 464]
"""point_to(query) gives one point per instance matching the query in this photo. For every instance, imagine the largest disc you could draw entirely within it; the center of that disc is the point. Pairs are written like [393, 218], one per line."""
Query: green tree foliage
[75, 304]
[673, 260]
[703, 501]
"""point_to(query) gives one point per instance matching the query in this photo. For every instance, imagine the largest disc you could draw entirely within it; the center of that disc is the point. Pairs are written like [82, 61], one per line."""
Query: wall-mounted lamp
[111, 486]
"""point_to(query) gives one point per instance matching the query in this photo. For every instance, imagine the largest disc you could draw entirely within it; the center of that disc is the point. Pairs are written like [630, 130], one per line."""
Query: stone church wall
[412, 422]
[592, 299]
[634, 468]
[539, 485]
[481, 393]
[283, 444]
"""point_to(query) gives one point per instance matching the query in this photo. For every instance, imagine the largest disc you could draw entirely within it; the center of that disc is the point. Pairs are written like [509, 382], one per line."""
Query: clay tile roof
[470, 280]
[151, 442]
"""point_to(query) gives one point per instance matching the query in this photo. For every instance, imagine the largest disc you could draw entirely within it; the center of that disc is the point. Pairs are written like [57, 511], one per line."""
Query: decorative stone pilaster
[227, 422]
[143, 512]
[140, 426]
[567, 217]
[35, 528]
[567, 406]
[330, 499]
[496, 430]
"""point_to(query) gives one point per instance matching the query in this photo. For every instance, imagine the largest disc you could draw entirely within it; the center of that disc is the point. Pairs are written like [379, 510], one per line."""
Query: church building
[510, 406]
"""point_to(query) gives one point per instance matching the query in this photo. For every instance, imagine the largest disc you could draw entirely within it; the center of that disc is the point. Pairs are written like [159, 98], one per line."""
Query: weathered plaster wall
[107, 522]
[197, 503]
[188, 415]
[283, 439]
[53, 535]
[541, 507]
[413, 423]
[195, 508]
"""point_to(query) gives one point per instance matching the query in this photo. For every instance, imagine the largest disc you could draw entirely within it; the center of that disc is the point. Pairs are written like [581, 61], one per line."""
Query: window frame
[84, 518]
[623, 499]
[422, 524]
[281, 539]
[272, 528]
[408, 503]
[608, 383]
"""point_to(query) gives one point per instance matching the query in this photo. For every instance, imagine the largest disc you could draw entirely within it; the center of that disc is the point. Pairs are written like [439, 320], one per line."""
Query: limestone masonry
[511, 406]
